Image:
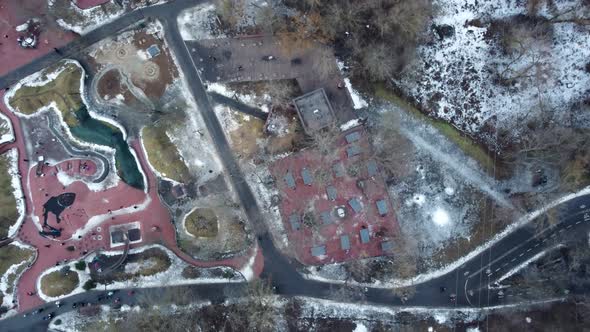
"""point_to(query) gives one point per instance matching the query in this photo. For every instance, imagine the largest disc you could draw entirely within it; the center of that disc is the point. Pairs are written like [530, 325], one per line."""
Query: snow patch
[350, 124]
[17, 190]
[197, 22]
[357, 101]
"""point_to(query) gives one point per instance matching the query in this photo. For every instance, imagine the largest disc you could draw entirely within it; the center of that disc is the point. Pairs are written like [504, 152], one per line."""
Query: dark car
[75, 305]
[38, 311]
[48, 317]
[268, 58]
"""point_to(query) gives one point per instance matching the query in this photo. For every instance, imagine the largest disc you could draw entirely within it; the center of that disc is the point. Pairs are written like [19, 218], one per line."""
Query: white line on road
[529, 249]
[496, 270]
[536, 245]
[569, 226]
[512, 260]
[561, 230]
[578, 222]
[521, 254]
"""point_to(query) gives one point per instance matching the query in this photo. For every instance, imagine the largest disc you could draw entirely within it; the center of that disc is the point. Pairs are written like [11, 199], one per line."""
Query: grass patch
[577, 174]
[191, 272]
[245, 138]
[11, 255]
[56, 283]
[64, 90]
[146, 263]
[465, 143]
[164, 155]
[4, 127]
[202, 222]
[8, 210]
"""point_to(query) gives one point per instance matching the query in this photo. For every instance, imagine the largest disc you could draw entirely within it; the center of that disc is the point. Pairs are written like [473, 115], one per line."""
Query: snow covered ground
[82, 21]
[331, 273]
[454, 77]
[6, 131]
[198, 22]
[172, 276]
[259, 101]
[17, 190]
[9, 279]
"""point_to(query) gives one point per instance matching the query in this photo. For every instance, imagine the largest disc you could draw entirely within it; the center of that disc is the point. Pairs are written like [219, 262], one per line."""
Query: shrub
[90, 284]
[80, 265]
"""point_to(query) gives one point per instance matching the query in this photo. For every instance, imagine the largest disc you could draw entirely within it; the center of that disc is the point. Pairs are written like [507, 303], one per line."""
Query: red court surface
[85, 4]
[16, 12]
[313, 200]
[90, 204]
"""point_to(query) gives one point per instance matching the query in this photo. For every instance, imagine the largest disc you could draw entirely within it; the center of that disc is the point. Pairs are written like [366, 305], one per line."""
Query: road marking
[529, 249]
[569, 226]
[512, 260]
[578, 222]
[504, 264]
[536, 245]
[561, 230]
[521, 254]
[498, 269]
[553, 235]
[544, 240]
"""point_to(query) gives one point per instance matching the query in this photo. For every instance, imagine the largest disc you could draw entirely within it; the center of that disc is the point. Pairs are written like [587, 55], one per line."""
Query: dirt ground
[128, 53]
[111, 86]
[232, 235]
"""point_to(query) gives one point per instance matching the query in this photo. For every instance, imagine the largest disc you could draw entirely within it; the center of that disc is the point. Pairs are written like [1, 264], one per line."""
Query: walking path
[119, 205]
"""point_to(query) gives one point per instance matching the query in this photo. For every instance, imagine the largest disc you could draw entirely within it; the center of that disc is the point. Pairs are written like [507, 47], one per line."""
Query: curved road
[470, 281]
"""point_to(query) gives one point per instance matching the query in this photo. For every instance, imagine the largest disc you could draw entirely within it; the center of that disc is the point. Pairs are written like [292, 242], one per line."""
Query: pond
[98, 132]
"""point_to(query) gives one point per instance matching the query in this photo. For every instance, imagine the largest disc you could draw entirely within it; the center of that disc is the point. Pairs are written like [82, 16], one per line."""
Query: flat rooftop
[314, 110]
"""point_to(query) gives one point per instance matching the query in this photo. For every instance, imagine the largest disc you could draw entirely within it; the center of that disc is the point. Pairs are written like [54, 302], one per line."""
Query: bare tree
[392, 149]
[257, 313]
[230, 11]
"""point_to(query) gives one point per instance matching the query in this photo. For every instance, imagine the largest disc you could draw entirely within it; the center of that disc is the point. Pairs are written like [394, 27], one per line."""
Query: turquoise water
[94, 131]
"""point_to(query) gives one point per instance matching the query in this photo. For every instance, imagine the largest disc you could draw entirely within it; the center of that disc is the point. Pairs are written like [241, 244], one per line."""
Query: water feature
[98, 132]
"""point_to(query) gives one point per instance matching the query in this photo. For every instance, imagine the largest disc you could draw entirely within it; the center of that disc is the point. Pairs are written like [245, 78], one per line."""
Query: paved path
[238, 106]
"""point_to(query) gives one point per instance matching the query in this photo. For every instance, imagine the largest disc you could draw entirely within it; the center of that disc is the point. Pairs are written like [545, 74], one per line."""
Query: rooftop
[314, 110]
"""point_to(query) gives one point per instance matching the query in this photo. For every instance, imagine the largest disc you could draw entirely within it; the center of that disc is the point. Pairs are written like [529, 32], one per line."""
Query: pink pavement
[88, 204]
[16, 12]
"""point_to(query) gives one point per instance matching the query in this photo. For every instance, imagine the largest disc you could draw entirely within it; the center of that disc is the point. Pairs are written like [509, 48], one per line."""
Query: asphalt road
[475, 275]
